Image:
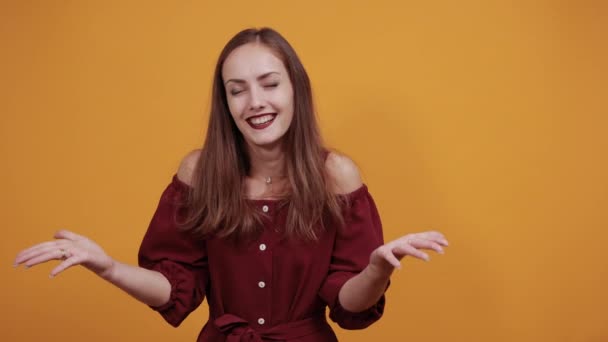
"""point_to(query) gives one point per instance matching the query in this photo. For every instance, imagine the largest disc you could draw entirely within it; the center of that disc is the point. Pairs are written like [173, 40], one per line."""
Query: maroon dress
[272, 289]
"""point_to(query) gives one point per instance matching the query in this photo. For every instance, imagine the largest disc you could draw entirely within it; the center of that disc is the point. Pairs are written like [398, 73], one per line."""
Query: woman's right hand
[72, 249]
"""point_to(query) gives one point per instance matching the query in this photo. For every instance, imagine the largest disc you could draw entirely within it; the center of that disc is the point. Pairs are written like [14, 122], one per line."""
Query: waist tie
[237, 329]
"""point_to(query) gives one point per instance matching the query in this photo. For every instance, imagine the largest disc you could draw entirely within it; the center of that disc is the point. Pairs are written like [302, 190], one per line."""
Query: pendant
[268, 180]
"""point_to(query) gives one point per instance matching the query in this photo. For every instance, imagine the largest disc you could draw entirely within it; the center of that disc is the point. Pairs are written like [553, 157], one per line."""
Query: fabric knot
[236, 329]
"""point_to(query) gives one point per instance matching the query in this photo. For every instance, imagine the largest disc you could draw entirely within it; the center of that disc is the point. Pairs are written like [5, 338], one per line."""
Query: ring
[64, 253]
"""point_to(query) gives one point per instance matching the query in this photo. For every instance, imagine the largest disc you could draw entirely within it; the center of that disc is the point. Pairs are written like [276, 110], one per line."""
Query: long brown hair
[217, 203]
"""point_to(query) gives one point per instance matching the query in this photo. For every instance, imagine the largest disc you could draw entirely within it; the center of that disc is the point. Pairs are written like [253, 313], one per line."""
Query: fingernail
[51, 276]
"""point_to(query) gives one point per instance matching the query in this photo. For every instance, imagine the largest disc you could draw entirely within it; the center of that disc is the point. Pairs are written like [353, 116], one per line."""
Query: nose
[256, 100]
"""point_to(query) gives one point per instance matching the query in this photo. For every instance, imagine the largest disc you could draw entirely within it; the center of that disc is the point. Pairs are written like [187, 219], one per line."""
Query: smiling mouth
[261, 121]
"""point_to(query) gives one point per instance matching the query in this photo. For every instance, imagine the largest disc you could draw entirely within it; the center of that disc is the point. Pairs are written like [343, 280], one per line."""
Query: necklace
[273, 186]
[269, 180]
[270, 188]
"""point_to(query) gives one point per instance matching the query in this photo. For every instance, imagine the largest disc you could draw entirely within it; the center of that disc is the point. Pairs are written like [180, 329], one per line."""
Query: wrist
[109, 273]
[378, 273]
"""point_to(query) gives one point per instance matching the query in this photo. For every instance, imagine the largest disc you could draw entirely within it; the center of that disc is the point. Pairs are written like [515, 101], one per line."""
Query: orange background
[485, 120]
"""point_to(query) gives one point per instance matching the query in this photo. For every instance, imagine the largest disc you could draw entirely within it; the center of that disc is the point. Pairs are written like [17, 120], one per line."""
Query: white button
[262, 247]
[261, 321]
[262, 284]
[265, 208]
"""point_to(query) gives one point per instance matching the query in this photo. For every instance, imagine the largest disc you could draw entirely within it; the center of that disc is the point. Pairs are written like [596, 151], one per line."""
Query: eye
[271, 85]
[234, 92]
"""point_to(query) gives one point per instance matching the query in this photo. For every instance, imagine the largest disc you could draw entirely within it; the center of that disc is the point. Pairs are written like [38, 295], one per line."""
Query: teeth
[262, 119]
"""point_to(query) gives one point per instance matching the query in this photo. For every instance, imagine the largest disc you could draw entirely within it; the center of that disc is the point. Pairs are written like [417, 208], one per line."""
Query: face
[259, 94]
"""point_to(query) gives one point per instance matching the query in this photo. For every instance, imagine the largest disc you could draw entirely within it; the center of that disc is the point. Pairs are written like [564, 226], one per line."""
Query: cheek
[287, 108]
[235, 107]
[286, 101]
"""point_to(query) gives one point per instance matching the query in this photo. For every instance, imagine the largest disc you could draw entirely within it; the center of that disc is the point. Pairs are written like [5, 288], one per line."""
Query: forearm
[147, 286]
[363, 290]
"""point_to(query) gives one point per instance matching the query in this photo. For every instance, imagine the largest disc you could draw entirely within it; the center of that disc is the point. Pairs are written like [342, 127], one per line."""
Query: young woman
[263, 221]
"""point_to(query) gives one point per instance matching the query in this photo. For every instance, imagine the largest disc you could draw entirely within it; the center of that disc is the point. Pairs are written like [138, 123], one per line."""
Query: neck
[266, 162]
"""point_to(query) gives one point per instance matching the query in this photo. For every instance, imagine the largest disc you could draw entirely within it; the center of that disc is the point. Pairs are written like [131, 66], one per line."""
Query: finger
[24, 254]
[426, 244]
[434, 236]
[406, 249]
[38, 249]
[53, 254]
[64, 265]
[388, 255]
[431, 235]
[66, 234]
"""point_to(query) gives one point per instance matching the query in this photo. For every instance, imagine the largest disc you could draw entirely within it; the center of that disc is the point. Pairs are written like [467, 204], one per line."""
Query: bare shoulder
[343, 173]
[187, 165]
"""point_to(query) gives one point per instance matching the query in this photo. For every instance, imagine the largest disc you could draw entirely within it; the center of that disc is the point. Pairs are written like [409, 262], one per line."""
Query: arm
[365, 289]
[149, 286]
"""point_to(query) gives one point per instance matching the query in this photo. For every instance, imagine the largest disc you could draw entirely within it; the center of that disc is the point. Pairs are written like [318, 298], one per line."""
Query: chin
[267, 142]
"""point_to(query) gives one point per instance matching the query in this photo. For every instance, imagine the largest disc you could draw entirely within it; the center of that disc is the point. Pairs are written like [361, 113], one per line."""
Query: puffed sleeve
[180, 257]
[361, 234]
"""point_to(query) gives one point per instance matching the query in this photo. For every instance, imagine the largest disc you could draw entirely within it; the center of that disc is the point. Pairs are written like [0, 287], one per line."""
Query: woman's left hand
[386, 258]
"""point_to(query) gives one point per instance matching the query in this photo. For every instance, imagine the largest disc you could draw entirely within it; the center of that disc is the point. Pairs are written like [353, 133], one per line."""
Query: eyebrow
[259, 78]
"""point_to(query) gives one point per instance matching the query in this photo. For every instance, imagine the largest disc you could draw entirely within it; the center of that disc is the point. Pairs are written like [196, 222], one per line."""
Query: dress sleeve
[176, 254]
[361, 234]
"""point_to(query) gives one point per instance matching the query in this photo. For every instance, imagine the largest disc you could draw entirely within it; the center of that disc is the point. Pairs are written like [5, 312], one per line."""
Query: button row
[262, 284]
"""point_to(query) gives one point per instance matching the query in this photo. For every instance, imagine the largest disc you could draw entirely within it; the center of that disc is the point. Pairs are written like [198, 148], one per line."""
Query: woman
[263, 220]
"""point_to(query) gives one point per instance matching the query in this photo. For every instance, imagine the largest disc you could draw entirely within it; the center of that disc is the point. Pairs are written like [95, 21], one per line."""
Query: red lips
[261, 125]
